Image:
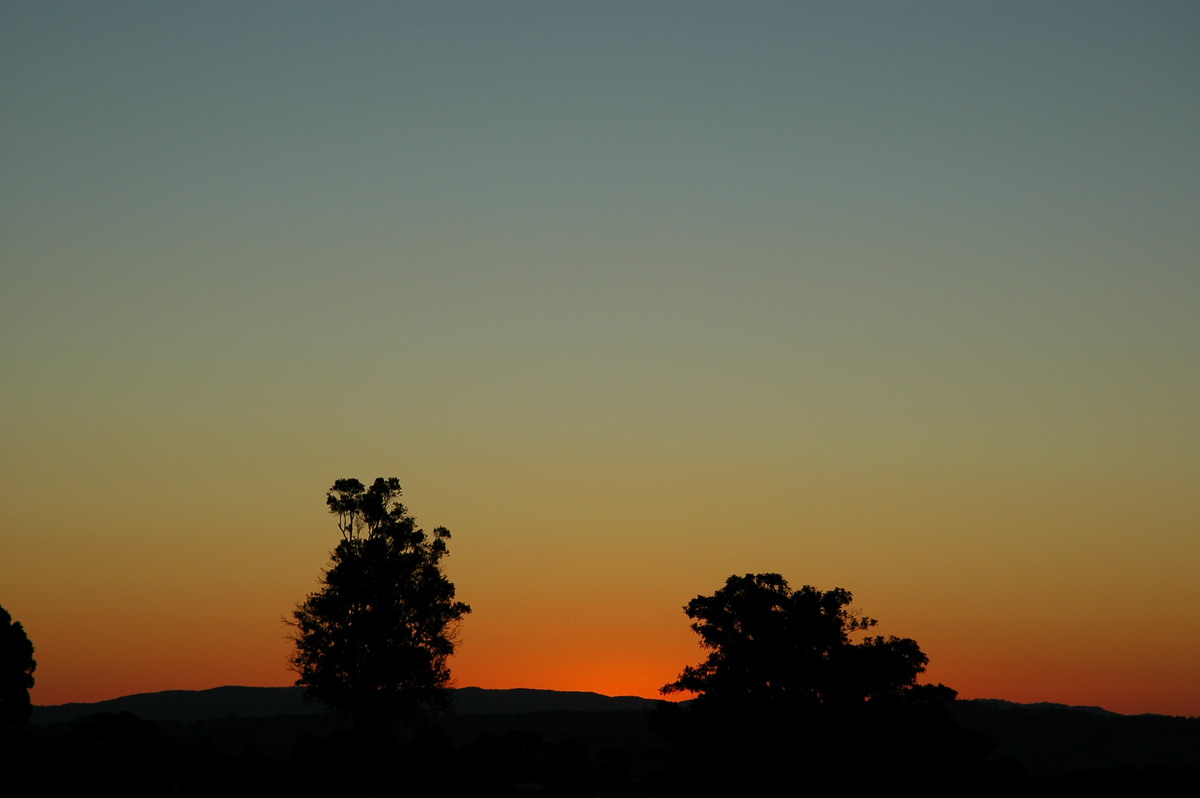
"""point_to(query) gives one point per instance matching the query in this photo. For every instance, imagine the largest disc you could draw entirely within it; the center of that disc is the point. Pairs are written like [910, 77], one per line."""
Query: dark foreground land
[266, 741]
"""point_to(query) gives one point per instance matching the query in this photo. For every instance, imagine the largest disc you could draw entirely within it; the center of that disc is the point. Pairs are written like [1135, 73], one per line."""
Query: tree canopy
[16, 671]
[769, 643]
[374, 641]
[788, 694]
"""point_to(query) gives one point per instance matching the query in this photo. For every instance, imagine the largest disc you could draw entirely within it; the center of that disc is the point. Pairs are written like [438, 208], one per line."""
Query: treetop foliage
[363, 511]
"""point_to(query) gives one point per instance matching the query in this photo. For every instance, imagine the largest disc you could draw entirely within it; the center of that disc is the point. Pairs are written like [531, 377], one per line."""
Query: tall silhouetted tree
[374, 641]
[16, 671]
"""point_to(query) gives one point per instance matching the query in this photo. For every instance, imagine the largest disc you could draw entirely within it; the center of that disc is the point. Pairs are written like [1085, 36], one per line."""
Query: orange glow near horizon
[638, 672]
[581, 672]
[96, 640]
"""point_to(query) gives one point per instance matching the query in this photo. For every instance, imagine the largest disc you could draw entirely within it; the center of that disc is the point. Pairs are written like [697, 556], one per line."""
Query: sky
[896, 297]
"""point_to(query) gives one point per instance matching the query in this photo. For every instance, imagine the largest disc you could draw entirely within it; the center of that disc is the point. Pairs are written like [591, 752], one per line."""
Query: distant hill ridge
[256, 702]
[1046, 738]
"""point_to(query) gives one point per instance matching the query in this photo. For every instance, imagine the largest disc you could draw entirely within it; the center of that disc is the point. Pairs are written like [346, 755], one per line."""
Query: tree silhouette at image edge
[16, 671]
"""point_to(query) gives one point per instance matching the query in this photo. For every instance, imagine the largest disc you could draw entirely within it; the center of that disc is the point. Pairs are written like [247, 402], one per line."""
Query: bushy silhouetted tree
[770, 644]
[16, 671]
[788, 694]
[374, 641]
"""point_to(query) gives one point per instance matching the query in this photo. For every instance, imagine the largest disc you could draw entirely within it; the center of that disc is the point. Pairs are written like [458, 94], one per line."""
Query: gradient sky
[897, 297]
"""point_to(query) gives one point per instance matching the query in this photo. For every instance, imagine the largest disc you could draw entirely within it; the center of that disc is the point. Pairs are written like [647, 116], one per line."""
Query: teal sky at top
[721, 183]
[281, 243]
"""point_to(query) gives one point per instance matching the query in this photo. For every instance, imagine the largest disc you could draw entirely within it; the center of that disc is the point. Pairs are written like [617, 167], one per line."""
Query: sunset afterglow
[896, 297]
